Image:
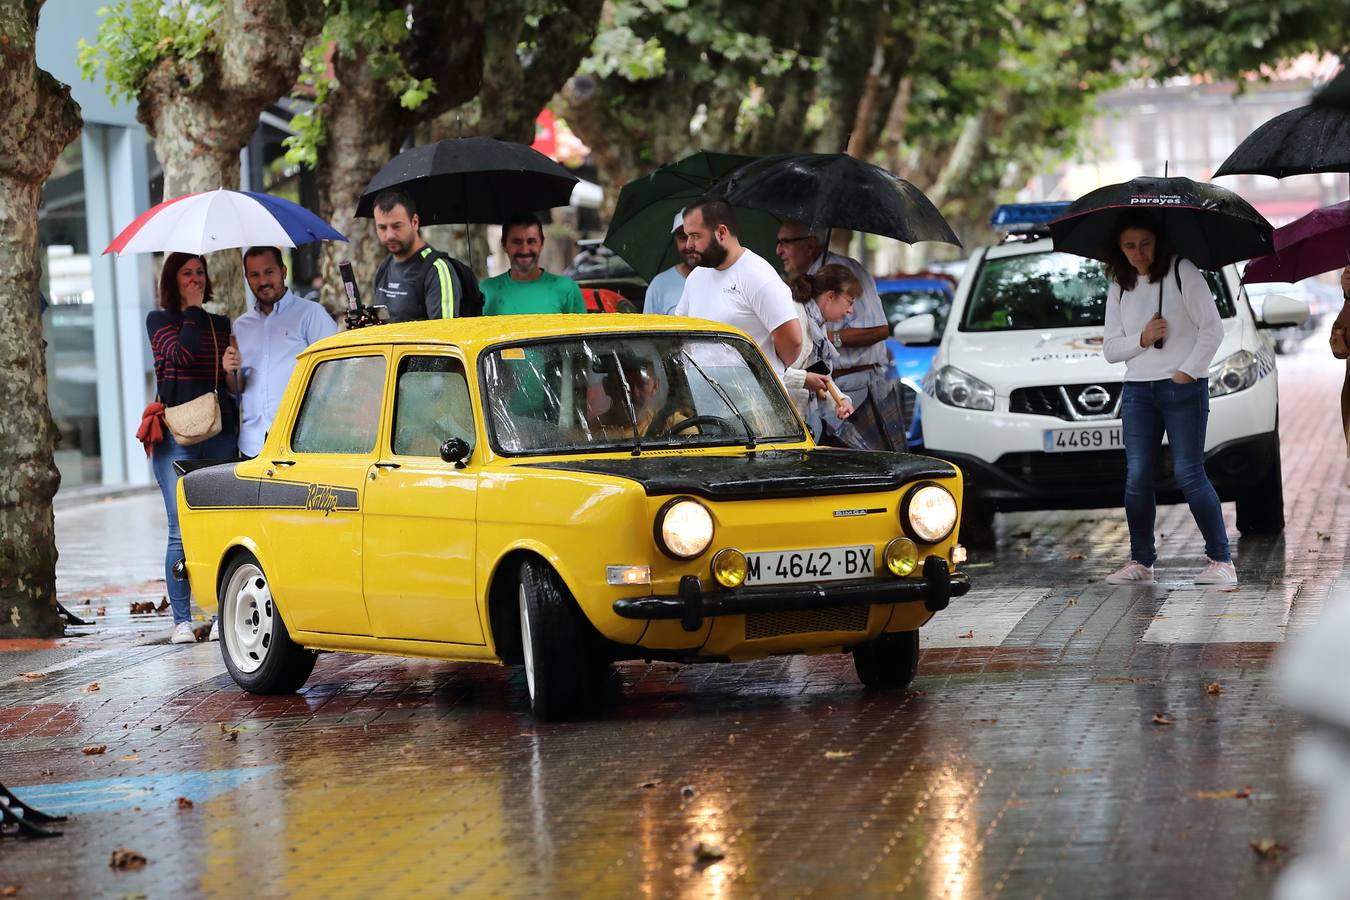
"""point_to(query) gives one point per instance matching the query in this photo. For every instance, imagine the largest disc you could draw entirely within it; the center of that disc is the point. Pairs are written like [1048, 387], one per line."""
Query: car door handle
[386, 465]
[283, 462]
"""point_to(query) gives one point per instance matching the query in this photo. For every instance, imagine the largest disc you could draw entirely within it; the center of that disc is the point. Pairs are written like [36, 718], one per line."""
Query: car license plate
[822, 564]
[1066, 440]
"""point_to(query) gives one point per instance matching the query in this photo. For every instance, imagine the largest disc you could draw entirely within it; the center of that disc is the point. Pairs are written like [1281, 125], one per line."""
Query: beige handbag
[198, 419]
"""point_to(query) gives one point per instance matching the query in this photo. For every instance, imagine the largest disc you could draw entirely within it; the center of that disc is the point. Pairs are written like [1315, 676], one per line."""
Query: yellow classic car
[562, 492]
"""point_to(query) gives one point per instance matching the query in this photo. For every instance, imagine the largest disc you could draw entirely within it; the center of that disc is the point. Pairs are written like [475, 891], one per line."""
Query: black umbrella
[1303, 141]
[834, 190]
[472, 180]
[1209, 225]
[1335, 93]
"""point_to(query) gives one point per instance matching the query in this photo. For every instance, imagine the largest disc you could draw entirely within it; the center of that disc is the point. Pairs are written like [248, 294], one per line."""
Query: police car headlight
[956, 388]
[1238, 372]
[684, 528]
[928, 512]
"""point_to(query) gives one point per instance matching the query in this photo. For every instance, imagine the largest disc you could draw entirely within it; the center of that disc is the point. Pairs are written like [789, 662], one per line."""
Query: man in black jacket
[417, 281]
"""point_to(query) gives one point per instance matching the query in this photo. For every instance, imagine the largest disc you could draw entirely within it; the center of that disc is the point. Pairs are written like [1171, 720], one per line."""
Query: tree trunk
[41, 120]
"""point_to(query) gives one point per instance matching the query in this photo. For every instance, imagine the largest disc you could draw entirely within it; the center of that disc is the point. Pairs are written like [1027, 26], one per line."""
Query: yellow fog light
[728, 568]
[901, 556]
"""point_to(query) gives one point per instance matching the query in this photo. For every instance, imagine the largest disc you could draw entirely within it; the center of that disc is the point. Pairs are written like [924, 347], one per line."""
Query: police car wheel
[257, 648]
[888, 661]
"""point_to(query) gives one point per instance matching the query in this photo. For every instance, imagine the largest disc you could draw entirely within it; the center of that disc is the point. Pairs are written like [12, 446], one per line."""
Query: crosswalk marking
[982, 618]
[1194, 615]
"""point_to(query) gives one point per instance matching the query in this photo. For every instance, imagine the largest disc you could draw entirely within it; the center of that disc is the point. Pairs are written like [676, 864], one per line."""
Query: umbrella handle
[1158, 344]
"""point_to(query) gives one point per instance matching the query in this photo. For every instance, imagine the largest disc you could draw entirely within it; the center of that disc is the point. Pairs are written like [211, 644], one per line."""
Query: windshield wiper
[749, 434]
[628, 405]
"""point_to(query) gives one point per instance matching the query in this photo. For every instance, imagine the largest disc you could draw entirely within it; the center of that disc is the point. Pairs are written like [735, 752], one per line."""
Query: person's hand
[193, 295]
[1345, 282]
[229, 360]
[845, 409]
[1181, 377]
[1154, 331]
[816, 383]
[1339, 347]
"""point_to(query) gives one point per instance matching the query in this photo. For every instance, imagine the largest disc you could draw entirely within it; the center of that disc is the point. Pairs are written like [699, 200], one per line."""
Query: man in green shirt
[526, 288]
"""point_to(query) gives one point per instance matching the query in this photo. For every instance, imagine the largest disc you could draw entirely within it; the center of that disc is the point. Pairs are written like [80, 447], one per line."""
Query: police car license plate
[1067, 440]
[821, 564]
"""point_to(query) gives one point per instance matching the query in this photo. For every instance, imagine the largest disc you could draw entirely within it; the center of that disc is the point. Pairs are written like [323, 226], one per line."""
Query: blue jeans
[1150, 408]
[223, 446]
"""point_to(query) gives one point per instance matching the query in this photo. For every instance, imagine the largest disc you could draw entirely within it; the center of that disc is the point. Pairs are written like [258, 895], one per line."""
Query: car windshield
[1049, 290]
[633, 391]
[902, 303]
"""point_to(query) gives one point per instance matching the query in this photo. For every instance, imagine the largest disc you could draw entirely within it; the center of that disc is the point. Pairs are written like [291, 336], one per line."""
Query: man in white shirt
[861, 335]
[735, 286]
[665, 289]
[269, 337]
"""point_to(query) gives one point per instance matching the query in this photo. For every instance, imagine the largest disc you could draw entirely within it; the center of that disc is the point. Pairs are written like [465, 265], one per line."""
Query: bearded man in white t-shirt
[735, 286]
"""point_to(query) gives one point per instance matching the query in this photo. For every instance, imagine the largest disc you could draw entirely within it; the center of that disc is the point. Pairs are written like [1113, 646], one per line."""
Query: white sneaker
[1131, 573]
[1217, 573]
[215, 630]
[183, 634]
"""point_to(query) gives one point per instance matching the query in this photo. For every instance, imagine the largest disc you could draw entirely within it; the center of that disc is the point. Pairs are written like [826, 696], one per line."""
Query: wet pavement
[1064, 738]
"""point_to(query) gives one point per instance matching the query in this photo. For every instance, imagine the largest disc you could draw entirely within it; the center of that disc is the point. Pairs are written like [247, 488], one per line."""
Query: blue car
[902, 298]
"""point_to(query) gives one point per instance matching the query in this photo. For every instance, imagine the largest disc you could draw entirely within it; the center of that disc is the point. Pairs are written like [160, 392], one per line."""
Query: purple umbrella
[1316, 243]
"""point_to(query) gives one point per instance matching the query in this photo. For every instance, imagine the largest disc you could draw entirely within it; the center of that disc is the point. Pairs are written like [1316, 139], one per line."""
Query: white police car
[1021, 399]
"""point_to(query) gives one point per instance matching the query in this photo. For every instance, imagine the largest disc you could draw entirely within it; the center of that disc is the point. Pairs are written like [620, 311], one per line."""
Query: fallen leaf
[94, 749]
[838, 754]
[90, 688]
[984, 721]
[46, 773]
[1234, 794]
[141, 607]
[183, 803]
[10, 890]
[1072, 771]
[408, 749]
[650, 784]
[1214, 688]
[1160, 719]
[32, 676]
[1266, 848]
[125, 859]
[1077, 556]
[1229, 590]
[101, 611]
[1073, 601]
[132, 757]
[707, 851]
[968, 634]
[163, 605]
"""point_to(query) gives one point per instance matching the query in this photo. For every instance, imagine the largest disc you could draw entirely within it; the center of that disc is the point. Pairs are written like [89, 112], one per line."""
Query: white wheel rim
[246, 618]
[526, 643]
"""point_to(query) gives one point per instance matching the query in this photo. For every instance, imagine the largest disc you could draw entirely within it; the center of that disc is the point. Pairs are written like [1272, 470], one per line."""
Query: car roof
[473, 334]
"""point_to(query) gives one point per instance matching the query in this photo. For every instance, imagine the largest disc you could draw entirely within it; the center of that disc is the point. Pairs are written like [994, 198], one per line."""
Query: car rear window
[1049, 290]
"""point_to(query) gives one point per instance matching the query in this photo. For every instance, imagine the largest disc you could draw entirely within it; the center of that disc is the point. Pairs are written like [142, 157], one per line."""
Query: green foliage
[135, 36]
[375, 30]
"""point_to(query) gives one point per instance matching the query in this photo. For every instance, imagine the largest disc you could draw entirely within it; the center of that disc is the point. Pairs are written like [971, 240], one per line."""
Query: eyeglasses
[784, 241]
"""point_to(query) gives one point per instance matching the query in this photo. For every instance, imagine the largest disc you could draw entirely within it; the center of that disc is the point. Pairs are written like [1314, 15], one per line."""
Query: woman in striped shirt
[187, 343]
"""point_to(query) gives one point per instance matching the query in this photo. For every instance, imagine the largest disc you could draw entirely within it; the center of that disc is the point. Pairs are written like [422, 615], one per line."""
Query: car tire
[1260, 509]
[977, 524]
[257, 648]
[888, 661]
[562, 673]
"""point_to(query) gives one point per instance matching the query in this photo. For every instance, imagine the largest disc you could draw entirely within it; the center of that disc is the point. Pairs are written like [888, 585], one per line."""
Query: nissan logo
[1094, 398]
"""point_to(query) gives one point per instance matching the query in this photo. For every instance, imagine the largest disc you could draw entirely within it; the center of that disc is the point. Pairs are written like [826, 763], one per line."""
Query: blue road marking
[112, 794]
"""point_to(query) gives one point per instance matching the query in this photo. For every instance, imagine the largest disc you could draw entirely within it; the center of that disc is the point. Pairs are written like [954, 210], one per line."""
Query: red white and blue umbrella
[221, 220]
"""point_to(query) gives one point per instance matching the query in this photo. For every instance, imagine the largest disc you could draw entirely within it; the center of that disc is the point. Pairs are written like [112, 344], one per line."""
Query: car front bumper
[692, 605]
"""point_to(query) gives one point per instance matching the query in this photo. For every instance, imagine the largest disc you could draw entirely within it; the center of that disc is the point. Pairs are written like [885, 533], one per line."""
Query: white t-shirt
[1194, 328]
[664, 292]
[747, 295]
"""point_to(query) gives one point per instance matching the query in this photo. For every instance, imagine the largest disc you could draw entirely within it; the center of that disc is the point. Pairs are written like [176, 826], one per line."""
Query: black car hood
[770, 473]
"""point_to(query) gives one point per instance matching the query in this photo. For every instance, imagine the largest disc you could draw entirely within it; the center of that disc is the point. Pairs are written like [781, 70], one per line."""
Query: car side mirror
[916, 329]
[1279, 311]
[457, 451]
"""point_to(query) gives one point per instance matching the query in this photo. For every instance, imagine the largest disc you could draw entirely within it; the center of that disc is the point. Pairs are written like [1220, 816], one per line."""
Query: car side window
[341, 409]
[431, 405]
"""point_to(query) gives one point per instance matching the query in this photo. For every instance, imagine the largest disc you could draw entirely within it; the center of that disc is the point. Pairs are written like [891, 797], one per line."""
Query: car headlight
[956, 388]
[928, 512]
[1238, 372]
[684, 528]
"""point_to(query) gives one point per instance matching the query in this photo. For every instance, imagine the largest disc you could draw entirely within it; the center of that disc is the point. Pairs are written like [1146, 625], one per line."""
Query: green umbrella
[640, 229]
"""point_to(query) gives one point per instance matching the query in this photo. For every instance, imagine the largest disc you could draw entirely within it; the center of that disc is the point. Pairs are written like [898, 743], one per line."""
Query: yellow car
[562, 492]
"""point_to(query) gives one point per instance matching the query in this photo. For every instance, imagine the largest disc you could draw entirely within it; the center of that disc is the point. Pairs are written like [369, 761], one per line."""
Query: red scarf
[151, 431]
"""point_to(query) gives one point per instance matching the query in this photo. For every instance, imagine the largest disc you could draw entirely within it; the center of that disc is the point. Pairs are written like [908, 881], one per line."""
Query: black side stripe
[221, 487]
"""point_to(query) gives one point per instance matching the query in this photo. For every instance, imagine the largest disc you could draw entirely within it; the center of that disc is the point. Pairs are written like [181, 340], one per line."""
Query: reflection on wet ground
[1064, 738]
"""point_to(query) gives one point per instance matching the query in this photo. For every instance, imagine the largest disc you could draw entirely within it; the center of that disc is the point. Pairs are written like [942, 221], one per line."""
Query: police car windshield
[1035, 291]
[632, 392]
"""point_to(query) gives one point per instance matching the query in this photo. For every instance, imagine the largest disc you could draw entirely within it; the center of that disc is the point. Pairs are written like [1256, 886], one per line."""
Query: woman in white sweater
[824, 297]
[1167, 356]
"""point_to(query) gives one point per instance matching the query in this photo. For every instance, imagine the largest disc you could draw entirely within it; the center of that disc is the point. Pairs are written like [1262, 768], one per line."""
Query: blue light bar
[1022, 216]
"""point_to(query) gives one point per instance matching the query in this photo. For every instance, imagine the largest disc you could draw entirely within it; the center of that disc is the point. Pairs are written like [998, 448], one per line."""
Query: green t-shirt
[549, 293]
